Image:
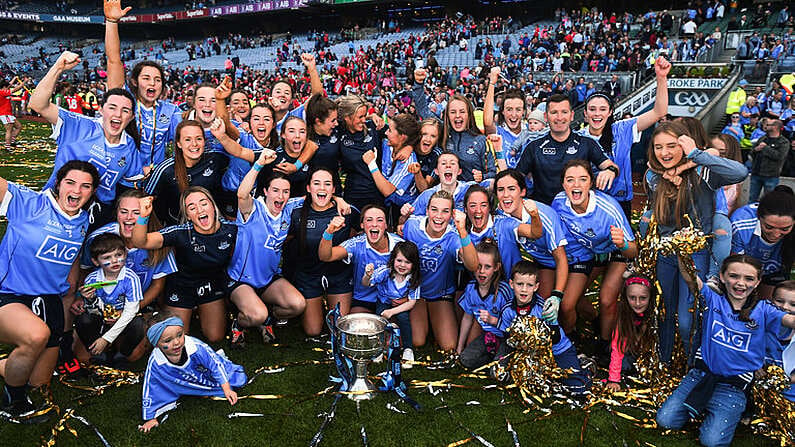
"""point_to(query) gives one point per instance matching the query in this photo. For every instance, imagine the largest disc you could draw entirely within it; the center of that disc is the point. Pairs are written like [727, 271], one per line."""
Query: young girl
[482, 301]
[181, 365]
[632, 335]
[783, 299]
[398, 284]
[691, 192]
[440, 247]
[734, 327]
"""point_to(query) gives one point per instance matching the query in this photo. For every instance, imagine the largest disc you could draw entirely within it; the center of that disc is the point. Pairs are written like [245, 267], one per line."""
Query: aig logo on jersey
[730, 338]
[57, 250]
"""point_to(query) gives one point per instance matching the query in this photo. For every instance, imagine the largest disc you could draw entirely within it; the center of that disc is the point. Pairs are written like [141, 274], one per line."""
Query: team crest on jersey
[590, 233]
[223, 245]
[121, 298]
[571, 150]
[162, 119]
[368, 138]
[437, 250]
[333, 139]
[752, 325]
[285, 225]
[207, 172]
[470, 150]
[122, 162]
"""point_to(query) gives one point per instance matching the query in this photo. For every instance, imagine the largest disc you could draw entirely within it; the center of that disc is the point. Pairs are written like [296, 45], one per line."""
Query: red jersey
[5, 102]
[74, 103]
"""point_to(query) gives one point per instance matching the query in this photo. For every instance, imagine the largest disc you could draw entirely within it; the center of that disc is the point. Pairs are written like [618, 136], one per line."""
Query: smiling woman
[113, 140]
[37, 255]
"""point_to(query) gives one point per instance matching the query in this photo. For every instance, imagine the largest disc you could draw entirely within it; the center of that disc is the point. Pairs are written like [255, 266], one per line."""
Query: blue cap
[743, 82]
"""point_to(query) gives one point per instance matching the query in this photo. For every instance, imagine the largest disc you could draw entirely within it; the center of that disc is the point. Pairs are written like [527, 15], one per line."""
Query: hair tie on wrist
[257, 167]
[142, 220]
[466, 240]
[327, 236]
[298, 165]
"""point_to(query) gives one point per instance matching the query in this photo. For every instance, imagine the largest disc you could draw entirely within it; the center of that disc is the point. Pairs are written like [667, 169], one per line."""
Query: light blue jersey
[421, 203]
[238, 168]
[438, 257]
[747, 240]
[82, 138]
[126, 289]
[397, 173]
[299, 112]
[509, 241]
[535, 308]
[390, 290]
[201, 375]
[258, 251]
[40, 244]
[360, 253]
[157, 126]
[508, 139]
[625, 134]
[137, 259]
[472, 303]
[588, 234]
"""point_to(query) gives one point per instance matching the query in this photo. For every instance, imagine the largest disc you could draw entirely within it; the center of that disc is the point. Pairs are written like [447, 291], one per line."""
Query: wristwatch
[612, 168]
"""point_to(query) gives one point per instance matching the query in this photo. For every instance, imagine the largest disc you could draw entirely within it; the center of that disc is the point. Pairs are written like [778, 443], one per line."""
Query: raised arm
[40, 99]
[232, 147]
[535, 229]
[140, 238]
[113, 13]
[245, 203]
[385, 187]
[468, 253]
[314, 78]
[488, 103]
[222, 93]
[418, 94]
[648, 119]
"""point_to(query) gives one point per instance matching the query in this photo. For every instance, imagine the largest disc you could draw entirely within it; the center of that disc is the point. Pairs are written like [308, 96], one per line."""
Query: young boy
[784, 299]
[524, 282]
[110, 300]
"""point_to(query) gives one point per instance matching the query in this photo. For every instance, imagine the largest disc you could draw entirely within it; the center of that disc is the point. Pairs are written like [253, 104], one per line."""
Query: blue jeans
[721, 243]
[757, 182]
[403, 322]
[721, 415]
[677, 300]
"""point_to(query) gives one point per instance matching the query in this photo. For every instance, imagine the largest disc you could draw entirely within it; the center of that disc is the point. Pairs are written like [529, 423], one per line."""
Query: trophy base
[361, 389]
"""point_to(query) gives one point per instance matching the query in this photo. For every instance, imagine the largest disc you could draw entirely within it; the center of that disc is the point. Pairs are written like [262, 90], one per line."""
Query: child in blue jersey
[181, 365]
[617, 137]
[108, 143]
[373, 246]
[633, 335]
[448, 170]
[393, 178]
[41, 243]
[784, 299]
[600, 239]
[482, 302]
[734, 327]
[111, 297]
[764, 230]
[441, 245]
[527, 301]
[398, 284]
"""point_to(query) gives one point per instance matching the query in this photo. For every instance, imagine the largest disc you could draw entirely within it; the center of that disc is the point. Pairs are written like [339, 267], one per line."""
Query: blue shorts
[313, 286]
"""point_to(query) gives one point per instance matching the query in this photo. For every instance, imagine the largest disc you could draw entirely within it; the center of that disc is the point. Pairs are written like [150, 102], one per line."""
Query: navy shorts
[313, 286]
[192, 295]
[369, 305]
[447, 297]
[47, 307]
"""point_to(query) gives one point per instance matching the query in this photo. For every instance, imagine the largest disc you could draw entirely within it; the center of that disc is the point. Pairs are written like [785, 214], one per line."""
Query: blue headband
[156, 330]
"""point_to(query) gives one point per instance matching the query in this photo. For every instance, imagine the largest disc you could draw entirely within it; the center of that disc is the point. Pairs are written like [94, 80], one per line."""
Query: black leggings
[90, 327]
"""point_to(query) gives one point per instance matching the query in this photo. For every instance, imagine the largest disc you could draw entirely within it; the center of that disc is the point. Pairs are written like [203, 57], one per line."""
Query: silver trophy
[361, 338]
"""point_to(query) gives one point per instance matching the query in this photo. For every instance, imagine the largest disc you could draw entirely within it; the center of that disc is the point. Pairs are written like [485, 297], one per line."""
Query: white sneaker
[408, 358]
